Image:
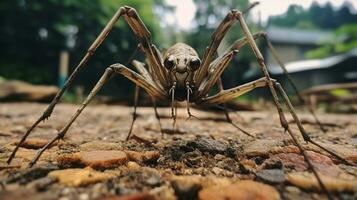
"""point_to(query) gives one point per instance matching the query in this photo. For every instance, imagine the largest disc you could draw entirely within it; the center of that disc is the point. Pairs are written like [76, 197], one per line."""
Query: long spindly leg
[301, 128]
[216, 39]
[116, 68]
[289, 78]
[144, 36]
[283, 120]
[226, 113]
[145, 73]
[157, 116]
[238, 44]
[227, 95]
[136, 99]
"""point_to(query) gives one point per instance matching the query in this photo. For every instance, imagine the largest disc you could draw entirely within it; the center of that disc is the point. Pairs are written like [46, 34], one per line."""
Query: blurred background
[42, 41]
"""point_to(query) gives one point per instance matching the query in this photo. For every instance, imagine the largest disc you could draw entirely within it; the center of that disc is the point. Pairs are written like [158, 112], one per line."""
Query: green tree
[344, 39]
[33, 32]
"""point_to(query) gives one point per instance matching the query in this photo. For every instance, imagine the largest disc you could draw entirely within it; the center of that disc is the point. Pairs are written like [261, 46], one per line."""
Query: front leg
[144, 36]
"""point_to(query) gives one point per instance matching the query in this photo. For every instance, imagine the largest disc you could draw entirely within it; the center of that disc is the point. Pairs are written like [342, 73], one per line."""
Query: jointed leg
[226, 113]
[60, 135]
[238, 44]
[286, 73]
[283, 120]
[157, 116]
[139, 30]
[117, 68]
[136, 98]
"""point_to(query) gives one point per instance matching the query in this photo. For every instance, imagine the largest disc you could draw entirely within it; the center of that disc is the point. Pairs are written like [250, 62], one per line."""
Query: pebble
[15, 163]
[186, 188]
[138, 196]
[143, 157]
[209, 145]
[101, 159]
[260, 147]
[242, 190]
[308, 181]
[99, 145]
[79, 177]
[34, 143]
[133, 165]
[346, 151]
[296, 161]
[271, 176]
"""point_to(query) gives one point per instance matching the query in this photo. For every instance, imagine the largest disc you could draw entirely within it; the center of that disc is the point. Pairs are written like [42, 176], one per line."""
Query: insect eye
[169, 63]
[195, 64]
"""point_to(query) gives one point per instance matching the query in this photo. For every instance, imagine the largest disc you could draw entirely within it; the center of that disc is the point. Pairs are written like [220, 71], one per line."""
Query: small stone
[133, 165]
[242, 190]
[79, 177]
[295, 161]
[34, 143]
[99, 145]
[248, 165]
[83, 196]
[308, 181]
[100, 159]
[143, 157]
[15, 163]
[209, 145]
[260, 147]
[271, 175]
[218, 171]
[219, 157]
[186, 188]
[139, 196]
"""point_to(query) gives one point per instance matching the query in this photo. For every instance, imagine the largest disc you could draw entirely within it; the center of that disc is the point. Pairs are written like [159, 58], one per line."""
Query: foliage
[33, 32]
[316, 17]
[344, 39]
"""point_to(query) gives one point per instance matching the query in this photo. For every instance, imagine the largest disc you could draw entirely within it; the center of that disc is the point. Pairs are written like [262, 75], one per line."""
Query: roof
[312, 64]
[297, 36]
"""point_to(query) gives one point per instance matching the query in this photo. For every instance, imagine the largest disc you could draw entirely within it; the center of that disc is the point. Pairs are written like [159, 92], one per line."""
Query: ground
[204, 158]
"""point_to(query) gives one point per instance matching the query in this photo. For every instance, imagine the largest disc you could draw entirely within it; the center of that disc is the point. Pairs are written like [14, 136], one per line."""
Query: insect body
[182, 62]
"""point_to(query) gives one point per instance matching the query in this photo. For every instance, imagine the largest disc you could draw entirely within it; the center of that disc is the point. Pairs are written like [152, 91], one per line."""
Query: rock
[42, 183]
[260, 147]
[34, 143]
[271, 176]
[296, 161]
[221, 172]
[133, 165]
[143, 157]
[15, 163]
[308, 181]
[95, 159]
[208, 145]
[19, 90]
[139, 196]
[242, 190]
[79, 177]
[186, 188]
[99, 145]
[347, 153]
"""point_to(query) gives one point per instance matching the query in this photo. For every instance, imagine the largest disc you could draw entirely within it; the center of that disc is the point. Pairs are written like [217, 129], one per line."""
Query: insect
[180, 75]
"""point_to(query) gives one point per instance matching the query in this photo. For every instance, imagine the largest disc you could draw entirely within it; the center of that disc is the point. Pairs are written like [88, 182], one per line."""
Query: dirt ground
[205, 158]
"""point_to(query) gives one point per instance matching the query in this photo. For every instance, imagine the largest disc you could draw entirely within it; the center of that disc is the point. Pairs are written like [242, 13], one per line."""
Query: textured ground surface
[203, 159]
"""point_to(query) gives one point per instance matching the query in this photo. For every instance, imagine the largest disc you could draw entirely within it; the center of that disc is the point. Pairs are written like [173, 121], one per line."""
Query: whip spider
[180, 75]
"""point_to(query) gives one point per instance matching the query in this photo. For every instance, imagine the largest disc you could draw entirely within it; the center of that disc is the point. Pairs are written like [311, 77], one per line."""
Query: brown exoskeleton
[180, 75]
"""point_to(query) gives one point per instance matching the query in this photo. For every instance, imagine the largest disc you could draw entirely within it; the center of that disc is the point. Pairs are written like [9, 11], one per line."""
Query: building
[292, 44]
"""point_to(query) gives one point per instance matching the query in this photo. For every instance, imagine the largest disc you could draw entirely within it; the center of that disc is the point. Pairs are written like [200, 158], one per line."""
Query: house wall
[287, 52]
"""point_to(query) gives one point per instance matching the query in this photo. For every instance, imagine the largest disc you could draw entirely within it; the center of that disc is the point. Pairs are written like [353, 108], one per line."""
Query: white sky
[185, 9]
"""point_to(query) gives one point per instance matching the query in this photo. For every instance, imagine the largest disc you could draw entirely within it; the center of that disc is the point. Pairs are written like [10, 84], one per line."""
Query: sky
[185, 9]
